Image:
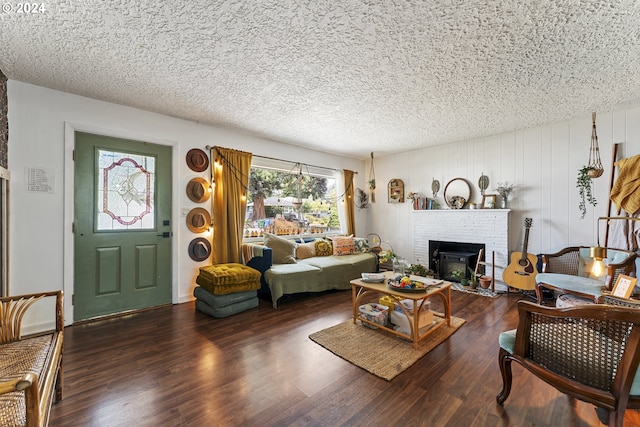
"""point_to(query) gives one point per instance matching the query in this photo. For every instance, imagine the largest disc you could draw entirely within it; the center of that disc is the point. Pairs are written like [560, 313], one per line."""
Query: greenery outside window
[291, 199]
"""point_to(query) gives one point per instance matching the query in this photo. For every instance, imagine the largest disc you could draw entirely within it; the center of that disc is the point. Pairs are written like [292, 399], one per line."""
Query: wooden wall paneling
[530, 200]
[632, 137]
[539, 212]
[559, 188]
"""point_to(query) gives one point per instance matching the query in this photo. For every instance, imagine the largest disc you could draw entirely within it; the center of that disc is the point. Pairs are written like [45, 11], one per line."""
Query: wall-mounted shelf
[395, 191]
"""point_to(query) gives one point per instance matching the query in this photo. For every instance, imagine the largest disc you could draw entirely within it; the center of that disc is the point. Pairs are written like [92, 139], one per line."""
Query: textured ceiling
[349, 77]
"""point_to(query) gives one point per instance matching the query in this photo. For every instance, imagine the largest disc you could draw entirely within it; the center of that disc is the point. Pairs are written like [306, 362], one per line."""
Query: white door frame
[70, 129]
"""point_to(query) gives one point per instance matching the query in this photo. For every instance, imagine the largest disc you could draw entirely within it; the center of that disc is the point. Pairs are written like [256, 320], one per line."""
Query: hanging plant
[372, 181]
[585, 192]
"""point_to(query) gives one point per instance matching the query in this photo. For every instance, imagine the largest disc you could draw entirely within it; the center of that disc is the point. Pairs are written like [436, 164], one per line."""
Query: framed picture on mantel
[488, 201]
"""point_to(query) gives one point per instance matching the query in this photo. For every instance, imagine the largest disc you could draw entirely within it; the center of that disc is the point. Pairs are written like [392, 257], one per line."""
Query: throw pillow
[323, 247]
[362, 245]
[306, 250]
[343, 245]
[283, 249]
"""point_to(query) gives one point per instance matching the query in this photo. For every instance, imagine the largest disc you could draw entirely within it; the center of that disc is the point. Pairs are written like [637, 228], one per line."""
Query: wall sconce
[598, 253]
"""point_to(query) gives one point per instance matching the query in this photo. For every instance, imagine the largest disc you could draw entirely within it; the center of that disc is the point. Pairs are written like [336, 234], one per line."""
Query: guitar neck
[525, 243]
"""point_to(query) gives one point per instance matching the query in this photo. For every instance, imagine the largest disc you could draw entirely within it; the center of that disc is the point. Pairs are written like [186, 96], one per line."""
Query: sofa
[290, 267]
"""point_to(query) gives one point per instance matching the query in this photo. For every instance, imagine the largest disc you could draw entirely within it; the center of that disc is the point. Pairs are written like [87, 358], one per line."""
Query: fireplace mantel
[485, 226]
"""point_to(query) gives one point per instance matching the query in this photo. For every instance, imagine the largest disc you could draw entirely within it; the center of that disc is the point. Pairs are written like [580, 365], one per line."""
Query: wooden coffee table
[359, 289]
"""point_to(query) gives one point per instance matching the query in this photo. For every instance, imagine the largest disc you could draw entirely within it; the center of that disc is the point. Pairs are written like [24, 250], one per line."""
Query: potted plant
[473, 283]
[504, 190]
[459, 276]
[420, 270]
[485, 281]
[585, 193]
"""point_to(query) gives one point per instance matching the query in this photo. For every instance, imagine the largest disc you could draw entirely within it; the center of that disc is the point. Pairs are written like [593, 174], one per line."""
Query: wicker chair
[589, 352]
[567, 271]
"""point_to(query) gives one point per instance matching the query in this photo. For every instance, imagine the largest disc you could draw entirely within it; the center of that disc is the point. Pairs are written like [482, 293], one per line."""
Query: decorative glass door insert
[126, 189]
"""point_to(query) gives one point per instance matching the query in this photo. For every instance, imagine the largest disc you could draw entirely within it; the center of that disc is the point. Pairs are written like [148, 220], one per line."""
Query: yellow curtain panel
[349, 206]
[230, 177]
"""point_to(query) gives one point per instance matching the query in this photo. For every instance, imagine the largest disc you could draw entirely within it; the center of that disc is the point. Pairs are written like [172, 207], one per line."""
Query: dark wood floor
[174, 366]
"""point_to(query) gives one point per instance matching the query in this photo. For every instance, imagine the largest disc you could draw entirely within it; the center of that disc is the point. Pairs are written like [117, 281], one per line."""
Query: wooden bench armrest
[19, 384]
[43, 388]
[13, 309]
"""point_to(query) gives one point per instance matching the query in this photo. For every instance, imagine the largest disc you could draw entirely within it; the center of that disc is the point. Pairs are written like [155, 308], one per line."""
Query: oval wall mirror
[457, 193]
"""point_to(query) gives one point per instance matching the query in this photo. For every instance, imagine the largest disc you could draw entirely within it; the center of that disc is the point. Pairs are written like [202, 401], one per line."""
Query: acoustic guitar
[521, 271]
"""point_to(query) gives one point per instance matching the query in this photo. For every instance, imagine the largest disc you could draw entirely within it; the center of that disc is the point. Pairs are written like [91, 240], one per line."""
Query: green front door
[122, 225]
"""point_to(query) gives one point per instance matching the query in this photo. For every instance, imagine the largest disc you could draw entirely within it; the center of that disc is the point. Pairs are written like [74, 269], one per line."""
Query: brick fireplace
[488, 227]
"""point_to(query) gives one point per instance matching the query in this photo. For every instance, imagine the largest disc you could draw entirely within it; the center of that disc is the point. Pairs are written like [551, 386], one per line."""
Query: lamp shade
[597, 252]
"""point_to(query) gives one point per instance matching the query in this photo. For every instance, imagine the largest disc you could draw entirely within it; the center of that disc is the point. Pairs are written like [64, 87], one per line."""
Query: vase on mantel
[505, 203]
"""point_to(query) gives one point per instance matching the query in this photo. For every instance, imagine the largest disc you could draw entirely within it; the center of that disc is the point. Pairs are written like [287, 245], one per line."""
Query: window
[125, 191]
[288, 199]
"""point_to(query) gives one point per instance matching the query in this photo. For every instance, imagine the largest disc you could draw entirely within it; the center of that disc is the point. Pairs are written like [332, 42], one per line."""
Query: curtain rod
[208, 147]
[306, 164]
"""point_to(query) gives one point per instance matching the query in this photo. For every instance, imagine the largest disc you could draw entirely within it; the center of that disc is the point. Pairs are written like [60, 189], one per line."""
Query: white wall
[543, 162]
[41, 243]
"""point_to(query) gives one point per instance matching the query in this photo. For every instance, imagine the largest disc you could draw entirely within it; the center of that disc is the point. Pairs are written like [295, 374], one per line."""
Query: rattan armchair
[589, 352]
[568, 271]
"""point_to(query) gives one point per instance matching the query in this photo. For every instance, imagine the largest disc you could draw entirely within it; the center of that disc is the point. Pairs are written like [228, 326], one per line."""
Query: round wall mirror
[457, 193]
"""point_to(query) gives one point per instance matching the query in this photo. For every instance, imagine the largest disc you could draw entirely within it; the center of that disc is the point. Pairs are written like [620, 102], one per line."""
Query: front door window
[126, 185]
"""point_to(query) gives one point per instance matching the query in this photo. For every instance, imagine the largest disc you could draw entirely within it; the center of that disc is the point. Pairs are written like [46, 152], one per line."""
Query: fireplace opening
[446, 257]
[452, 261]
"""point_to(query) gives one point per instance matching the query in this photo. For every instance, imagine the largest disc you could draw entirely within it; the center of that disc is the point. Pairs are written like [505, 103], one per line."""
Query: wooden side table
[443, 290]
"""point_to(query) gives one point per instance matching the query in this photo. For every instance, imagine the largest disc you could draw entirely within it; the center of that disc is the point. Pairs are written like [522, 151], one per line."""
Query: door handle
[165, 234]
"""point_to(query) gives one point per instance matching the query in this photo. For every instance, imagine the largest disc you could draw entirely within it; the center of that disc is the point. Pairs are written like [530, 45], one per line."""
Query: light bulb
[597, 269]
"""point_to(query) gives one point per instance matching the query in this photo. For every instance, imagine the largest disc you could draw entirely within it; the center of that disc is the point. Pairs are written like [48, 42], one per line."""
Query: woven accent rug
[478, 291]
[381, 353]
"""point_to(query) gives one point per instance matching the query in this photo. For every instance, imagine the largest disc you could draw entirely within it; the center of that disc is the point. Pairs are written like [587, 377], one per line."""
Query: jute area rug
[378, 352]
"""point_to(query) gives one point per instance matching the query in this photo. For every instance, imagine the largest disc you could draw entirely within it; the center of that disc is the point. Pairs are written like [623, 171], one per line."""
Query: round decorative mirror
[457, 193]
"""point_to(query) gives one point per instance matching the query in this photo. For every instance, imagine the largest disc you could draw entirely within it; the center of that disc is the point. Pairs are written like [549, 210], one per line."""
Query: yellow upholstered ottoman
[222, 279]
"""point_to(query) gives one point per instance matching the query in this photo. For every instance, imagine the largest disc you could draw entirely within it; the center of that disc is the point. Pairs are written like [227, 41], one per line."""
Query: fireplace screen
[461, 261]
[447, 257]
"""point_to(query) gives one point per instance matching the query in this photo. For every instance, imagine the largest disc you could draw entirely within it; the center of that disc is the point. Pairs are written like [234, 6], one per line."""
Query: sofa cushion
[584, 285]
[286, 269]
[283, 249]
[507, 340]
[227, 310]
[362, 245]
[343, 245]
[222, 279]
[219, 301]
[317, 274]
[306, 250]
[323, 247]
[585, 262]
